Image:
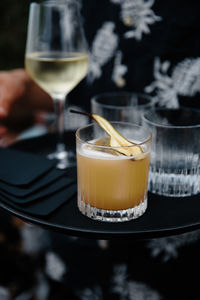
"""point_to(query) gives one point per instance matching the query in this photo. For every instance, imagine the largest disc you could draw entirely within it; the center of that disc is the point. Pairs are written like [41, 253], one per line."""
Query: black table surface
[164, 216]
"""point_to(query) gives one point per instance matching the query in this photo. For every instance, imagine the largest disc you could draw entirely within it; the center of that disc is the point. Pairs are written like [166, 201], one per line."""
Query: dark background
[13, 26]
[173, 40]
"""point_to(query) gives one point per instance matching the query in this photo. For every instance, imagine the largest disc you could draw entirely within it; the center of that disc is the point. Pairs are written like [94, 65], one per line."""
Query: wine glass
[56, 58]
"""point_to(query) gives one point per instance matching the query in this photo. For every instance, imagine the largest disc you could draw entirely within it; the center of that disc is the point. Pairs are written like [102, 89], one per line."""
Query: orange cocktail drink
[112, 186]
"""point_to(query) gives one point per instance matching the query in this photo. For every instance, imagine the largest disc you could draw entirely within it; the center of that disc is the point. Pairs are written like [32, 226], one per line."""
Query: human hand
[20, 102]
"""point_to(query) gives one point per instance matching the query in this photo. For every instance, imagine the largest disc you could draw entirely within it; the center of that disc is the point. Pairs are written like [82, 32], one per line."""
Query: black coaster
[20, 168]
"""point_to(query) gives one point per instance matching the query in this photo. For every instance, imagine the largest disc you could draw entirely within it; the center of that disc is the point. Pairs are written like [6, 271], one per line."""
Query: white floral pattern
[94, 293]
[138, 15]
[55, 267]
[128, 289]
[119, 70]
[168, 248]
[184, 80]
[103, 49]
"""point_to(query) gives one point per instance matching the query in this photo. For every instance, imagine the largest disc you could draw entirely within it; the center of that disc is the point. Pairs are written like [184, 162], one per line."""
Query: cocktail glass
[112, 187]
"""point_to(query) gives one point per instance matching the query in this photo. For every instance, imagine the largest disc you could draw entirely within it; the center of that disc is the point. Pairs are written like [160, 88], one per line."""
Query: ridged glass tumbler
[121, 106]
[112, 187]
[175, 155]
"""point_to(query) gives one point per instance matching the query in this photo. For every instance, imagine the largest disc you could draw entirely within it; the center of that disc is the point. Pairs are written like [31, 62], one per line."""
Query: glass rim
[119, 94]
[147, 140]
[54, 3]
[156, 124]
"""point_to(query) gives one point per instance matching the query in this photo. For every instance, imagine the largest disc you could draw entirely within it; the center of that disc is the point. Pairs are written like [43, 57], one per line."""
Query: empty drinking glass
[175, 155]
[121, 106]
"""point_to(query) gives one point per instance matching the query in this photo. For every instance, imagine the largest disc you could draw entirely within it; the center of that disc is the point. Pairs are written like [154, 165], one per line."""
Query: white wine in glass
[56, 58]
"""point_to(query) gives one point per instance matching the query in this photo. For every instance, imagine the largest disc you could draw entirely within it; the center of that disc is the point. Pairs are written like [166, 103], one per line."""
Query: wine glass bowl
[56, 58]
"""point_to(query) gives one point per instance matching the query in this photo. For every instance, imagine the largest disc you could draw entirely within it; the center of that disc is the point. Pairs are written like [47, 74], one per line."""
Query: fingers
[6, 137]
[3, 128]
[3, 113]
[11, 89]
[3, 131]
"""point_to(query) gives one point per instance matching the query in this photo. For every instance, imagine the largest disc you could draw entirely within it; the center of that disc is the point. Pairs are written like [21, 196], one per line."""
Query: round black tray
[164, 216]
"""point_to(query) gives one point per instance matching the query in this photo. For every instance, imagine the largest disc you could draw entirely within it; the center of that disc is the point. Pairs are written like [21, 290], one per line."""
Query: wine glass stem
[60, 128]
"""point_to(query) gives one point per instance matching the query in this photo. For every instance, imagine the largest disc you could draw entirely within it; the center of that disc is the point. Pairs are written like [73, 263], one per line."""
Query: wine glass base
[65, 159]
